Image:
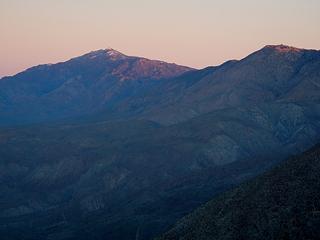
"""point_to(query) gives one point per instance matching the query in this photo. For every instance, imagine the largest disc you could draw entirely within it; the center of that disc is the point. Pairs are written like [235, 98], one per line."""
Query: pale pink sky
[196, 33]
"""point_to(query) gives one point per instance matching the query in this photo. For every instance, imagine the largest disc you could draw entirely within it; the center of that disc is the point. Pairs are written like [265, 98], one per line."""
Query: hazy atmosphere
[159, 119]
[196, 33]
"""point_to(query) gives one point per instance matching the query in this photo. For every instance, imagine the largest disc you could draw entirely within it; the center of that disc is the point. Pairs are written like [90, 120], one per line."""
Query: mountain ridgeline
[82, 85]
[113, 86]
[108, 146]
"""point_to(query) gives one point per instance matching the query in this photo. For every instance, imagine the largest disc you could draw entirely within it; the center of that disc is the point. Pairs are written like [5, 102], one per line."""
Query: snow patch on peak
[108, 53]
[112, 52]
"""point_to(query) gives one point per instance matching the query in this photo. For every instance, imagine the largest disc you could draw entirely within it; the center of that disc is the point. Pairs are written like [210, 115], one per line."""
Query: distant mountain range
[281, 204]
[82, 85]
[107, 146]
[115, 86]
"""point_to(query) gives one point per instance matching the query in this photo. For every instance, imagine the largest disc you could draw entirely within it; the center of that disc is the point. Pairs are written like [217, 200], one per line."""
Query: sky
[196, 33]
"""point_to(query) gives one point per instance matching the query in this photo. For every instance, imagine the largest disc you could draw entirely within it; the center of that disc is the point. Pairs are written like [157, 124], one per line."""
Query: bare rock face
[222, 150]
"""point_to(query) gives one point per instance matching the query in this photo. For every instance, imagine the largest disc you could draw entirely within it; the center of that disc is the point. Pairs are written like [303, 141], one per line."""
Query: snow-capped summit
[114, 53]
[108, 53]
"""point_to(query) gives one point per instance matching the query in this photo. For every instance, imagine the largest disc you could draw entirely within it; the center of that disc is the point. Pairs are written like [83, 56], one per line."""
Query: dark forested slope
[283, 203]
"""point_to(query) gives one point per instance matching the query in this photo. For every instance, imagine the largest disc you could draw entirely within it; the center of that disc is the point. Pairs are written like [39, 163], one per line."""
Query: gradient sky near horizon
[196, 33]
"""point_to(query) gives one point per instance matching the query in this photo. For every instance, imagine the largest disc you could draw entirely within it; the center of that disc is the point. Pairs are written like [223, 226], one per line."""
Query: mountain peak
[113, 52]
[280, 50]
[109, 53]
[283, 48]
